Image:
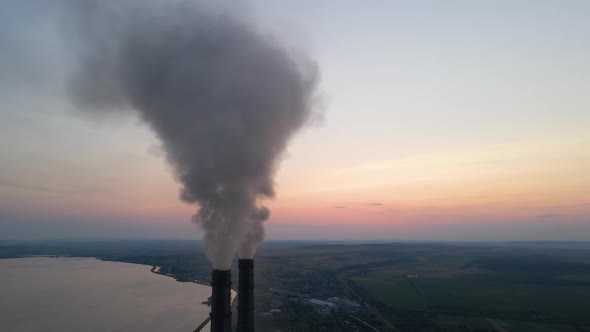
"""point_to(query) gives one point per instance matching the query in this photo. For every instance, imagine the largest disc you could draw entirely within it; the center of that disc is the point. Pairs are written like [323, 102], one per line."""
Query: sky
[454, 120]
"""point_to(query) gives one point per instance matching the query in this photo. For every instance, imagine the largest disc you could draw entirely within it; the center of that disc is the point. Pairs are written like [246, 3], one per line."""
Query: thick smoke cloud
[223, 97]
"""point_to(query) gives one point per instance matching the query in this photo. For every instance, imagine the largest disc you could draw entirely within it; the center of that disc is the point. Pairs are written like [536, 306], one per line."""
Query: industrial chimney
[246, 296]
[221, 301]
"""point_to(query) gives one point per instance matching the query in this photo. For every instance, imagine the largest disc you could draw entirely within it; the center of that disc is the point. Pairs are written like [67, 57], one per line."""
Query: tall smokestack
[221, 301]
[246, 296]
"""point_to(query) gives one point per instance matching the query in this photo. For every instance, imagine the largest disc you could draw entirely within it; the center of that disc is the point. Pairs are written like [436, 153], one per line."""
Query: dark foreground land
[303, 286]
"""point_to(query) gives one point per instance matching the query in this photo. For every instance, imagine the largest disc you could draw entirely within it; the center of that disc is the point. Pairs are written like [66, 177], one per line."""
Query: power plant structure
[246, 296]
[221, 301]
[221, 314]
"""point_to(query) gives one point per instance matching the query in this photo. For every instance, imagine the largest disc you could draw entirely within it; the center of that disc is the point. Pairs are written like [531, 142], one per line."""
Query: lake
[86, 294]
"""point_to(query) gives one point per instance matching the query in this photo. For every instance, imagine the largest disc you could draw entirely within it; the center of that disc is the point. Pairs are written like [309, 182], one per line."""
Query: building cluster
[333, 303]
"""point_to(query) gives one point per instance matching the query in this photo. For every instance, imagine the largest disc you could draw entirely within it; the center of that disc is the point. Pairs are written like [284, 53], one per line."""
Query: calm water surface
[85, 294]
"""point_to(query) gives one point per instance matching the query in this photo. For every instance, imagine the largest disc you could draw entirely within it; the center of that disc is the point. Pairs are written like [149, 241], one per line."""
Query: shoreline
[156, 270]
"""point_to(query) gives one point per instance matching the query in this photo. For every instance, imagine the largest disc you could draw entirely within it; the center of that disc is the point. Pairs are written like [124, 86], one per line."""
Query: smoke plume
[223, 97]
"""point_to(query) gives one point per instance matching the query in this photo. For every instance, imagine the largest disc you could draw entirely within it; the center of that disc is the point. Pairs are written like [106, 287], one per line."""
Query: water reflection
[85, 294]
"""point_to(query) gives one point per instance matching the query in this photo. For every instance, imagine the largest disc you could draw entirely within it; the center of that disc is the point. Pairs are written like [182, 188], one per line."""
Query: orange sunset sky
[468, 121]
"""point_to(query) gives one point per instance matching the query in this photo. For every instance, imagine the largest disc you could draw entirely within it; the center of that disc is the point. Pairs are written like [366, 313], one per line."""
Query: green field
[453, 287]
[394, 292]
[485, 298]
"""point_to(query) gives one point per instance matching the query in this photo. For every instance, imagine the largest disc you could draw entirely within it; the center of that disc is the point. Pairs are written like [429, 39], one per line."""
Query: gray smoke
[223, 97]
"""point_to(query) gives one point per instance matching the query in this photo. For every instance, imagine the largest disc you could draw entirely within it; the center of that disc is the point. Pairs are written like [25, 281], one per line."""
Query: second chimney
[246, 296]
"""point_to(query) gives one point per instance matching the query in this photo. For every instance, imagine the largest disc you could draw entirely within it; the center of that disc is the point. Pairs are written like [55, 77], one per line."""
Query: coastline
[156, 269]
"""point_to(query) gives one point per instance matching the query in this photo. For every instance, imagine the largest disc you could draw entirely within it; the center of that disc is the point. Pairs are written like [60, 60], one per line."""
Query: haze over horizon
[455, 121]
